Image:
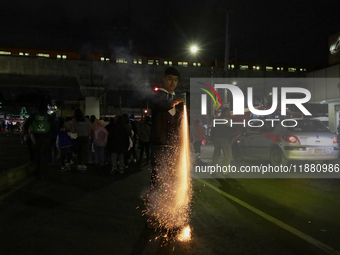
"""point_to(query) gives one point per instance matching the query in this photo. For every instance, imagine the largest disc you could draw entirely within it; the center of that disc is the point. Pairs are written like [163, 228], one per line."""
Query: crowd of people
[9, 127]
[85, 140]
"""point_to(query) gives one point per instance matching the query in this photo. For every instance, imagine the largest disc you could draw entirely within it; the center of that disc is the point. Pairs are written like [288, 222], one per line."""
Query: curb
[15, 175]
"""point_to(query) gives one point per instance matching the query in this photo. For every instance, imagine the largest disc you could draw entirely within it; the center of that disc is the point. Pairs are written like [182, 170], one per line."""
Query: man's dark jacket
[164, 126]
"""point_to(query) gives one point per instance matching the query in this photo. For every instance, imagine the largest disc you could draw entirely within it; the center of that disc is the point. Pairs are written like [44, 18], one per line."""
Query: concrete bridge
[94, 79]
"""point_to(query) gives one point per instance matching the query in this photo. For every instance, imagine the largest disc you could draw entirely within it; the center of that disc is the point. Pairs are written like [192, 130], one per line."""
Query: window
[140, 61]
[43, 55]
[24, 54]
[193, 64]
[62, 56]
[2, 52]
[243, 67]
[170, 63]
[150, 62]
[185, 64]
[198, 64]
[135, 61]
[107, 59]
[165, 62]
[180, 63]
[102, 59]
[157, 62]
[269, 68]
[121, 60]
[291, 69]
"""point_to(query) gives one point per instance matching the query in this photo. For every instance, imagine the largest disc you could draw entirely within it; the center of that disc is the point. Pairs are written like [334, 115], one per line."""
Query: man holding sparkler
[164, 137]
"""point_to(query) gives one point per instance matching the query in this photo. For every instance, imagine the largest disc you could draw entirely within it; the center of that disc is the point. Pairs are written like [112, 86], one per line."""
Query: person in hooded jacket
[80, 125]
[39, 126]
[119, 143]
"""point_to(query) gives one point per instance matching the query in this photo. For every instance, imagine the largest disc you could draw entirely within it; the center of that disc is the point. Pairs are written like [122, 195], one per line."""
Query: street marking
[279, 223]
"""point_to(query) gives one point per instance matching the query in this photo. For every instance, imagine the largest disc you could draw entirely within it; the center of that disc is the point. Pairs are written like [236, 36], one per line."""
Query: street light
[193, 49]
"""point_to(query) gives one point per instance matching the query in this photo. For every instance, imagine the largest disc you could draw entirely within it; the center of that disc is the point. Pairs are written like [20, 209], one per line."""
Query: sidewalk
[13, 154]
[15, 162]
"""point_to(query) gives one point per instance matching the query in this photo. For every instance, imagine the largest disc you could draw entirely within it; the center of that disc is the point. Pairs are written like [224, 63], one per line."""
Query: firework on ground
[169, 200]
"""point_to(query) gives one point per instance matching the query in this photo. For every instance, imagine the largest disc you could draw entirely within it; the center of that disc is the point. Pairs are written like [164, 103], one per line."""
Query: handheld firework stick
[184, 96]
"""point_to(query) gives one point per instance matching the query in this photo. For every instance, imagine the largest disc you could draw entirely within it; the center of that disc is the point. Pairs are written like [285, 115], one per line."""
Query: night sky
[287, 32]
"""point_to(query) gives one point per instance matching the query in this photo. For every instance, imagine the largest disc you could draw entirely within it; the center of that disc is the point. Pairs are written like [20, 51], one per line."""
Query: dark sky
[289, 31]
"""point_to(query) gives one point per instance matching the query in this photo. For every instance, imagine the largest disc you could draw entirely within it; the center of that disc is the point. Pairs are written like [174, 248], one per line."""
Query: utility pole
[226, 51]
[227, 42]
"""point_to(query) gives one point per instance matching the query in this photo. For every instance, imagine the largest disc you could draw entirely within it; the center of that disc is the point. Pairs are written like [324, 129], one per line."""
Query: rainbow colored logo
[217, 105]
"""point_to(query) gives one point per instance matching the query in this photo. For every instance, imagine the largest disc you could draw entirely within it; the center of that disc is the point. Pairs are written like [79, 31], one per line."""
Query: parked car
[323, 119]
[308, 140]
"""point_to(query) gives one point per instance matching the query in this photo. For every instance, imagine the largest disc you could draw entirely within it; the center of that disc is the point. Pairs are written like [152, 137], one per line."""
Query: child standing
[64, 144]
[100, 140]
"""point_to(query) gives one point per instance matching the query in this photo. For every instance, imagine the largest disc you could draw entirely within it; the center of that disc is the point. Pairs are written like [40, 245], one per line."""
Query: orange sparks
[184, 235]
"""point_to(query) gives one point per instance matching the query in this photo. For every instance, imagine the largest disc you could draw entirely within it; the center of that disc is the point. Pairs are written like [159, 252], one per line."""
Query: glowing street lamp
[193, 49]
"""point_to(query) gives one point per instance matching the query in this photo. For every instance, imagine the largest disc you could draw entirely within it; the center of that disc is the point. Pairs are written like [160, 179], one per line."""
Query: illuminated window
[157, 62]
[165, 62]
[256, 68]
[243, 67]
[2, 52]
[64, 57]
[135, 61]
[269, 68]
[291, 69]
[121, 60]
[170, 63]
[198, 64]
[140, 61]
[180, 63]
[24, 54]
[150, 62]
[194, 64]
[43, 55]
[58, 56]
[107, 59]
[232, 66]
[185, 64]
[102, 59]
[305, 69]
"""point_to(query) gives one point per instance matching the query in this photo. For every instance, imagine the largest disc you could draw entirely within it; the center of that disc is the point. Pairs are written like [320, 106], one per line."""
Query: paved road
[95, 213]
[12, 153]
